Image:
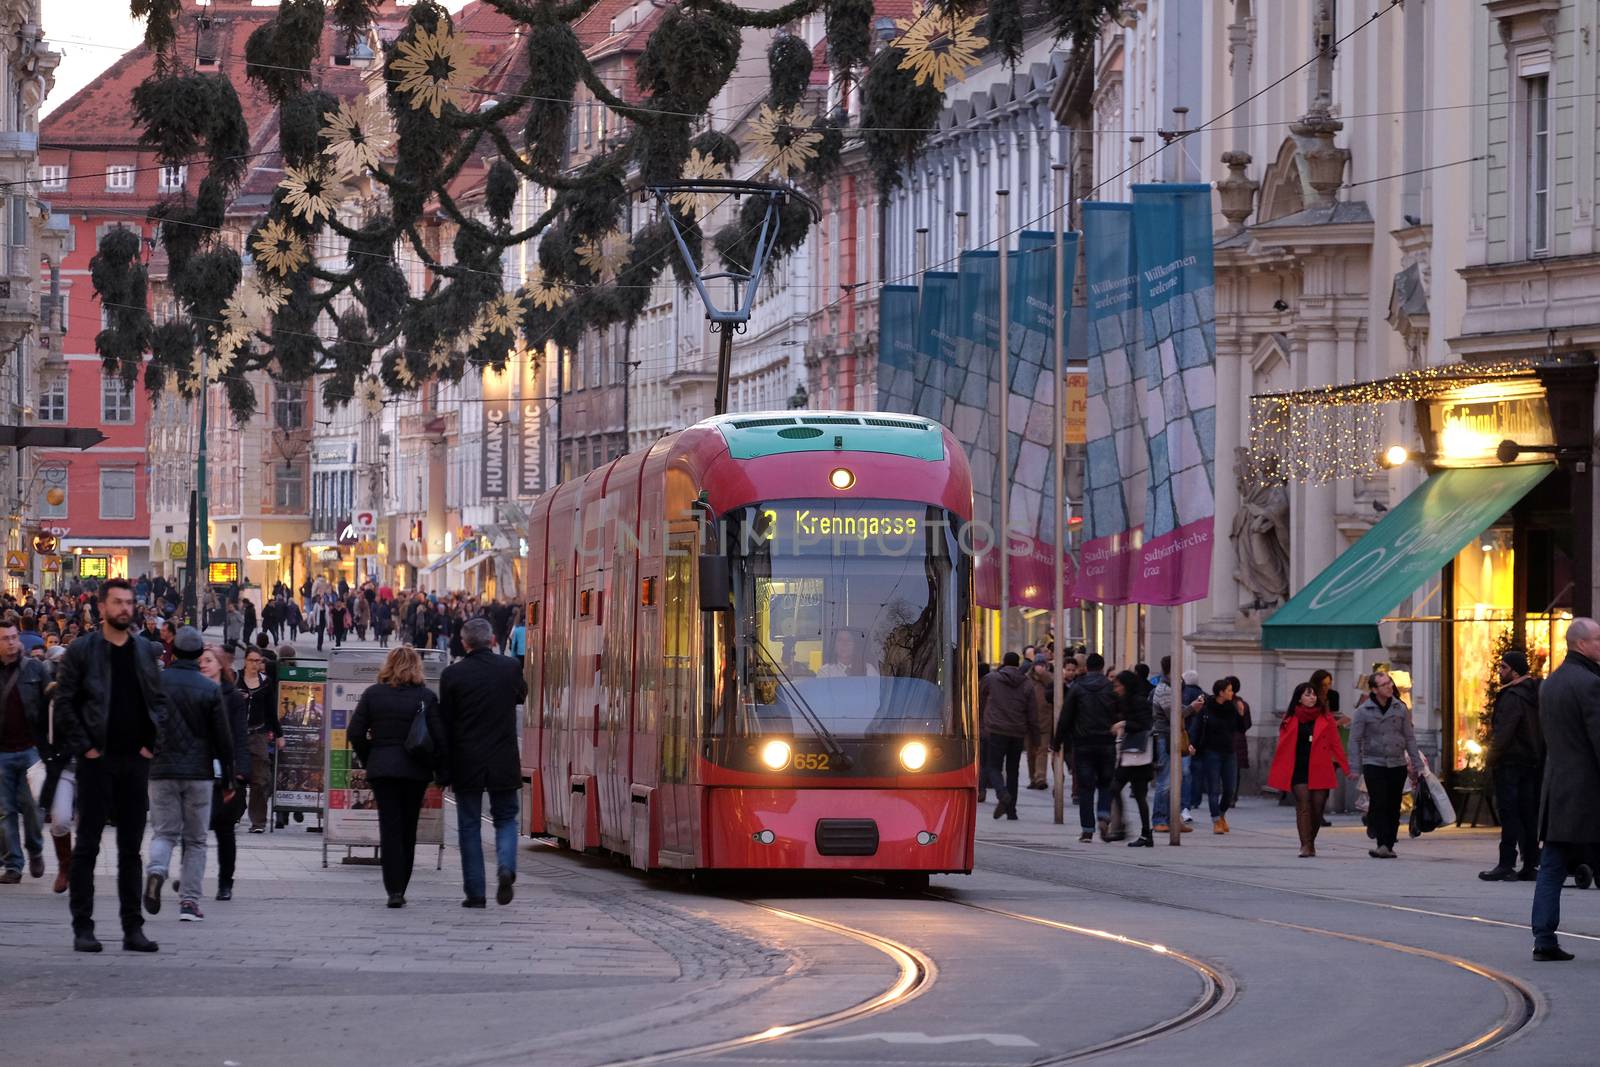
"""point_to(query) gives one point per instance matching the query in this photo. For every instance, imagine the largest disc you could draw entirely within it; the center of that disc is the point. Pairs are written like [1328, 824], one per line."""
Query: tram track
[1523, 1005]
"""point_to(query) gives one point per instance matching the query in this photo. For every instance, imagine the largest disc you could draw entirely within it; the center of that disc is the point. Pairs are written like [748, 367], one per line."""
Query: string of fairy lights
[1330, 432]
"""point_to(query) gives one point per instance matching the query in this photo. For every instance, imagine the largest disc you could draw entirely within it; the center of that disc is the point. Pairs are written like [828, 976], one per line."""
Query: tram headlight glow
[775, 754]
[913, 755]
[841, 478]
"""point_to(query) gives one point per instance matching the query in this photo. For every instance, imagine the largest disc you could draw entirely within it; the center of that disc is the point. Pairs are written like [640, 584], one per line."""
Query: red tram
[751, 647]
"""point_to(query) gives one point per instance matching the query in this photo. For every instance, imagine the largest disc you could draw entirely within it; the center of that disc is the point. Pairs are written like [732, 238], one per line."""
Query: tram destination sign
[824, 530]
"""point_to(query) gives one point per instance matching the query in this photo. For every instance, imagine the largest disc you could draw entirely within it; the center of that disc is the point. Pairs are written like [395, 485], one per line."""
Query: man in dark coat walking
[478, 698]
[1569, 805]
[1516, 760]
[1008, 712]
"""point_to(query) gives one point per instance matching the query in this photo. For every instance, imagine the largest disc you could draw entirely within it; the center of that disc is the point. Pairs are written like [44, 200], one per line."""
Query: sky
[92, 34]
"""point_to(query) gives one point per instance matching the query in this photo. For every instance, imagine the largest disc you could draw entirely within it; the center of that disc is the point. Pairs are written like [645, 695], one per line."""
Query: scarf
[1305, 714]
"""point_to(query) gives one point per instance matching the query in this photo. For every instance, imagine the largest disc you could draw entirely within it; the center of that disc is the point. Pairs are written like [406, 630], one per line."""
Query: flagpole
[1059, 443]
[1003, 449]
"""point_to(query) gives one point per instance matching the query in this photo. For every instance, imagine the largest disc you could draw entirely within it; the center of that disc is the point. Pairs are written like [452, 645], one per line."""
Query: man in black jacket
[196, 733]
[22, 732]
[478, 698]
[1516, 760]
[108, 707]
[1008, 711]
[1569, 801]
[1087, 712]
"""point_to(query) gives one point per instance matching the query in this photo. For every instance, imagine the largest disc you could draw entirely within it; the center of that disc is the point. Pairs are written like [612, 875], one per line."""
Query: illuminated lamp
[841, 478]
[775, 754]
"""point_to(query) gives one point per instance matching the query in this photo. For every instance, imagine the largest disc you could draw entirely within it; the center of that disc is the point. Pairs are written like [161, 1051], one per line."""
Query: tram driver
[849, 659]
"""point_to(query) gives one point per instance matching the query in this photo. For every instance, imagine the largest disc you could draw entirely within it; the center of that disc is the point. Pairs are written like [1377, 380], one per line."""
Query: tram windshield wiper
[813, 720]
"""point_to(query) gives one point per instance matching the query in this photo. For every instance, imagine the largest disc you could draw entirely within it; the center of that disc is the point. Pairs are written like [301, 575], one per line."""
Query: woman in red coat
[1308, 750]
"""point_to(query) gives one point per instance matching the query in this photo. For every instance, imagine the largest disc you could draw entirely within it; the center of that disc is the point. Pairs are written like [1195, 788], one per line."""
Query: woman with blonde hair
[399, 778]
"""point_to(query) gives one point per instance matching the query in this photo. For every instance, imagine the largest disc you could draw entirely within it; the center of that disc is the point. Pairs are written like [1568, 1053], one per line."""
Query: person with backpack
[1516, 762]
[378, 732]
[1087, 712]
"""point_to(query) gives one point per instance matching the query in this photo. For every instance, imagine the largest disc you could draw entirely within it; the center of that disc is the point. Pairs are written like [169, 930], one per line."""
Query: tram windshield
[846, 622]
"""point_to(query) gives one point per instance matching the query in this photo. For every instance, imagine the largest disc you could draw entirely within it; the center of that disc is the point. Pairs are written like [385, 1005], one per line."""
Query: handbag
[1135, 750]
[419, 742]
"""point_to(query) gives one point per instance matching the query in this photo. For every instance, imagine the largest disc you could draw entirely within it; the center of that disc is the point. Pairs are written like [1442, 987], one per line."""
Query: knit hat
[1517, 660]
[188, 643]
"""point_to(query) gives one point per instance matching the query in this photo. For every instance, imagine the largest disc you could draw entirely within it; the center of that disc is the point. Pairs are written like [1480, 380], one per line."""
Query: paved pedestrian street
[1227, 950]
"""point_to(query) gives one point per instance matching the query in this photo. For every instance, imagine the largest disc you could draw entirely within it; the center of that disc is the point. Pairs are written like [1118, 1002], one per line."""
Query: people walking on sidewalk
[260, 688]
[195, 735]
[1134, 760]
[1043, 722]
[22, 719]
[1306, 761]
[108, 706]
[478, 698]
[1516, 763]
[1569, 802]
[1087, 712]
[377, 732]
[1216, 724]
[228, 794]
[1007, 709]
[1382, 738]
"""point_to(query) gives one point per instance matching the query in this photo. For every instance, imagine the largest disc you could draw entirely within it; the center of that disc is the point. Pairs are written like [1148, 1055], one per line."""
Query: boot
[63, 844]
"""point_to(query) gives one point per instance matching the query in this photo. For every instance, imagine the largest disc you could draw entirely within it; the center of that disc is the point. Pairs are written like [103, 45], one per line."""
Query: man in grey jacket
[195, 738]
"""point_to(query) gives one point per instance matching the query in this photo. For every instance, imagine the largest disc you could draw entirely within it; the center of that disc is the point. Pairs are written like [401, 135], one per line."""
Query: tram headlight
[775, 754]
[841, 478]
[913, 755]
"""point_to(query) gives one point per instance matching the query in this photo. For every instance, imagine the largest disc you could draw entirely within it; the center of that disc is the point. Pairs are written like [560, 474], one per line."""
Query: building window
[173, 179]
[289, 406]
[116, 494]
[116, 399]
[1536, 161]
[53, 176]
[289, 488]
[119, 178]
[53, 400]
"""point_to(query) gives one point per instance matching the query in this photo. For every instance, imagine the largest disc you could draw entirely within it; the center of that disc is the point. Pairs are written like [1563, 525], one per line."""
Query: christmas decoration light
[279, 249]
[1336, 431]
[435, 69]
[312, 191]
[358, 135]
[699, 167]
[785, 141]
[939, 45]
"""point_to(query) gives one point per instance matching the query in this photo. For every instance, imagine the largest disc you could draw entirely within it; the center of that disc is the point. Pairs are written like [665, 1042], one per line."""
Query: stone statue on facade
[1260, 536]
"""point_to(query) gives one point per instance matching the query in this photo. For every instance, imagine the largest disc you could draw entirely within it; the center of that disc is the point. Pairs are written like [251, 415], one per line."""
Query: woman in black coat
[1134, 719]
[377, 732]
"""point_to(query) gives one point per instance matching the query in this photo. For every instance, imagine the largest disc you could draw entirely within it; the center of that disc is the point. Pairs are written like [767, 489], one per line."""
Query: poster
[351, 817]
[301, 709]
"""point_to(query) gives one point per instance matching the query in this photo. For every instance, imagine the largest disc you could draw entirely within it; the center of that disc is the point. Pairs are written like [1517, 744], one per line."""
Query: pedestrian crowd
[135, 720]
[1114, 729]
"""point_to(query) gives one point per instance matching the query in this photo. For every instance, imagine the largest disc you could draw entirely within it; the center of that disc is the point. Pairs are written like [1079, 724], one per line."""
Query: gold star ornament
[503, 314]
[785, 140]
[369, 393]
[312, 191]
[607, 254]
[279, 249]
[436, 68]
[700, 168]
[544, 292]
[939, 45]
[358, 134]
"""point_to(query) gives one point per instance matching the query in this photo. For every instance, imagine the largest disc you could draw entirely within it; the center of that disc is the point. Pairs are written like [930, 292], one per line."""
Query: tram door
[680, 625]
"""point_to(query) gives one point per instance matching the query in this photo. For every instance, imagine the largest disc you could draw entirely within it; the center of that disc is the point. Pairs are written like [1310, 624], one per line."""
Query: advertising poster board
[302, 707]
[350, 817]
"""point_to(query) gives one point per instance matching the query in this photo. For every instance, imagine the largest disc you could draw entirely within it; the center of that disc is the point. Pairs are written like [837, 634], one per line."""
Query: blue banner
[1177, 377]
[897, 348]
[937, 312]
[1117, 458]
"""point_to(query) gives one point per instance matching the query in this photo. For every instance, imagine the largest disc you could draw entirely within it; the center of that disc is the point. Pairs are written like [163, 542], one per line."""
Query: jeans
[106, 785]
[1220, 772]
[1385, 786]
[1547, 894]
[1093, 768]
[180, 809]
[1194, 780]
[399, 807]
[503, 810]
[1162, 804]
[1004, 767]
[13, 785]
[1516, 795]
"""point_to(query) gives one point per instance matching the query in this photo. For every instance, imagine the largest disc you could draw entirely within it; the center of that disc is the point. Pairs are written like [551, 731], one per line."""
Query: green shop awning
[1342, 606]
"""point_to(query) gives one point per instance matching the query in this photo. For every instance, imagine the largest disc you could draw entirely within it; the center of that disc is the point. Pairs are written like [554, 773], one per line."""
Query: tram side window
[678, 662]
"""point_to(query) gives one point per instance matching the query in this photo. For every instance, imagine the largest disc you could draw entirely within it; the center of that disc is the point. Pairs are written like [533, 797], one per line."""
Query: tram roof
[754, 435]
